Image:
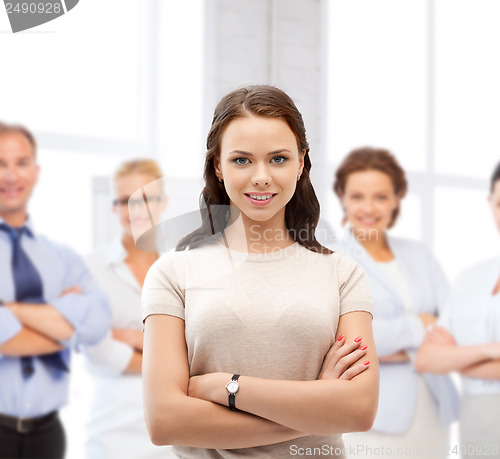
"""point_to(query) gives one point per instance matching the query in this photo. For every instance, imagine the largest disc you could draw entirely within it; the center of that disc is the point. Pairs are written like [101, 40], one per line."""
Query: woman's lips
[265, 198]
[368, 221]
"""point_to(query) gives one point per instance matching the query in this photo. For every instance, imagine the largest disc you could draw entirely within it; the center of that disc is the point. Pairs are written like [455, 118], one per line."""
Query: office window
[407, 77]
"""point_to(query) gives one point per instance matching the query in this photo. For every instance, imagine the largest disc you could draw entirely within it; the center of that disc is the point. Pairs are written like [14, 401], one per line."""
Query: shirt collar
[115, 253]
[28, 225]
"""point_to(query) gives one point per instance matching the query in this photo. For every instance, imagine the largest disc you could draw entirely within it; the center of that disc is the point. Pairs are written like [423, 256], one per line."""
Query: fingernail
[341, 337]
[358, 339]
[364, 348]
[366, 363]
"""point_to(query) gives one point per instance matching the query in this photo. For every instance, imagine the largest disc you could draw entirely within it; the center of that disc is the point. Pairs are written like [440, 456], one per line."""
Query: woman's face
[135, 215]
[369, 201]
[495, 203]
[259, 163]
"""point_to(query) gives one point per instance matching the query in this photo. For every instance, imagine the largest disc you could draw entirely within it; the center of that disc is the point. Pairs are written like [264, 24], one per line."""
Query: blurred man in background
[48, 303]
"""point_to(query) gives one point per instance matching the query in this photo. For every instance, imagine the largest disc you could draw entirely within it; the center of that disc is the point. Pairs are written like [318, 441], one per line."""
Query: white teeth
[261, 197]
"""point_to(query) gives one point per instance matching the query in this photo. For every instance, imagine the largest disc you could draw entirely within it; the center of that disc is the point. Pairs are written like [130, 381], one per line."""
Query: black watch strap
[232, 397]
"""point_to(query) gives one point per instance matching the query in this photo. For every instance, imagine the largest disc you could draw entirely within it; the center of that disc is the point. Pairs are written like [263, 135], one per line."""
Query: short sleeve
[354, 290]
[162, 292]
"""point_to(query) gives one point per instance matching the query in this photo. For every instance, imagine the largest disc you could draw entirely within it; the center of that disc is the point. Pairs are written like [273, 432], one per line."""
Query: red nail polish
[364, 348]
[358, 339]
[366, 363]
[341, 337]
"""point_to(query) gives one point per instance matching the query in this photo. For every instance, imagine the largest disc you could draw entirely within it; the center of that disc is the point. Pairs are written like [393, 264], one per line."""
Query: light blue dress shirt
[89, 313]
[397, 329]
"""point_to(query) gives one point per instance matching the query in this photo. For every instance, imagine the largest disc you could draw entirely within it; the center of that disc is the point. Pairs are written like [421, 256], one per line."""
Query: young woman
[116, 427]
[467, 340]
[408, 289]
[258, 340]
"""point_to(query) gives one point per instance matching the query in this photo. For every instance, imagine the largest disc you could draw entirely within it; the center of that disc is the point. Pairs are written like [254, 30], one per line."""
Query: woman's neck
[257, 237]
[376, 245]
[133, 253]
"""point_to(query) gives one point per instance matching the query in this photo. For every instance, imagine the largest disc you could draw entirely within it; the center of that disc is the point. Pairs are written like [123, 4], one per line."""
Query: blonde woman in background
[116, 428]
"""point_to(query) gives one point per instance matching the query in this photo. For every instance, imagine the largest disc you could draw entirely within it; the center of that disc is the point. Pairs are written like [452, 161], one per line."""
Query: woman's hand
[427, 319]
[439, 335]
[341, 361]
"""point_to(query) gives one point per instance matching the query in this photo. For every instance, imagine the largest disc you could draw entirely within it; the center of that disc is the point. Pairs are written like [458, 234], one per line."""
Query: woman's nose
[261, 176]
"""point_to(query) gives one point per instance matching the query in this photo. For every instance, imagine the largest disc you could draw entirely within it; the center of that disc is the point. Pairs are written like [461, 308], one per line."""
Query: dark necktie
[29, 289]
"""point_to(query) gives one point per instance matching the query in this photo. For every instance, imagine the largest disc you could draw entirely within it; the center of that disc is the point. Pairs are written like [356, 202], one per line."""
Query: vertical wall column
[276, 42]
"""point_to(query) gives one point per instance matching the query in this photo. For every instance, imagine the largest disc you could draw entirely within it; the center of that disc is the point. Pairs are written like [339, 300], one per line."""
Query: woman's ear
[218, 171]
[397, 201]
[301, 163]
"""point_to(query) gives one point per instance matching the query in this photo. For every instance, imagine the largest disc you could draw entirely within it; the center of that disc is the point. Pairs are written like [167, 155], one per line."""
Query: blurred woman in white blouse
[116, 427]
[467, 340]
[409, 289]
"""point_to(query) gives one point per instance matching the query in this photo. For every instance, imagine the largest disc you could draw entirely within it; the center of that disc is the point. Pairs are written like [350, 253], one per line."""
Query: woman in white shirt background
[408, 288]
[467, 340]
[116, 426]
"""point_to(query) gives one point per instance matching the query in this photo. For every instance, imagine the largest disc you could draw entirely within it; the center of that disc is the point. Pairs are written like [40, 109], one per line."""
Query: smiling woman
[409, 290]
[251, 312]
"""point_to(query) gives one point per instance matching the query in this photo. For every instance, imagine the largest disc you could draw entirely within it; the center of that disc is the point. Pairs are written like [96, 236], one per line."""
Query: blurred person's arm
[42, 318]
[485, 370]
[113, 357]
[87, 312]
[400, 356]
[17, 340]
[393, 335]
[396, 336]
[440, 354]
[28, 342]
[133, 338]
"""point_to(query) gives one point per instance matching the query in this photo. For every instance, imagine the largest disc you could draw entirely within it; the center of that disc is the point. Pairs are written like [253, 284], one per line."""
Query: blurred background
[118, 79]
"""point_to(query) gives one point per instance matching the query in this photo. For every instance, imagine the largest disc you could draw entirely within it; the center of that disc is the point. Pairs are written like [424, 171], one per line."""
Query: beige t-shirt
[272, 315]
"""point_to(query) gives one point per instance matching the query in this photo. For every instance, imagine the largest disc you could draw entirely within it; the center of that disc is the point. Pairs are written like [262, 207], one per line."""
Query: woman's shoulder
[339, 259]
[105, 255]
[478, 270]
[407, 244]
[190, 256]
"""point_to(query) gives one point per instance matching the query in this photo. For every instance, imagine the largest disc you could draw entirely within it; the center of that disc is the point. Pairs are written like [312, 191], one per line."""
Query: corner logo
[26, 14]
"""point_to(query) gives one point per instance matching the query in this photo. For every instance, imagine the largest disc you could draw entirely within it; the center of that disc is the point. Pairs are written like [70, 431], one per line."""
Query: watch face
[232, 387]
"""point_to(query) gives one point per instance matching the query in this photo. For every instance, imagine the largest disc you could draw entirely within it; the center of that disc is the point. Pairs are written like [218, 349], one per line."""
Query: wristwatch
[232, 387]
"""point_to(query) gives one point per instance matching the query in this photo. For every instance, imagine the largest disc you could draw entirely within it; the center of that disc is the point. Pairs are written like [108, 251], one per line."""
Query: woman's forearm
[135, 363]
[183, 420]
[439, 359]
[321, 407]
[397, 357]
[174, 418]
[485, 370]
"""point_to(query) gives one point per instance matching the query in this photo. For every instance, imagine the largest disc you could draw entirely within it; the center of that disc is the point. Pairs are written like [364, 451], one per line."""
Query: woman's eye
[381, 198]
[240, 161]
[279, 159]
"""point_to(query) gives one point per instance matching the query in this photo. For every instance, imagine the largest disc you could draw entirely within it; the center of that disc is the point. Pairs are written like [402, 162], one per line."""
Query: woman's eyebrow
[246, 153]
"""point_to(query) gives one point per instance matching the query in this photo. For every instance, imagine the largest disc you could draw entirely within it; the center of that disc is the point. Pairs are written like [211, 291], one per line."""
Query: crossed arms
[440, 354]
[193, 411]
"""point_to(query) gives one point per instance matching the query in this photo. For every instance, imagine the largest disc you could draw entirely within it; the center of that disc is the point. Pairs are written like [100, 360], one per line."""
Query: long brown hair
[366, 159]
[302, 211]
